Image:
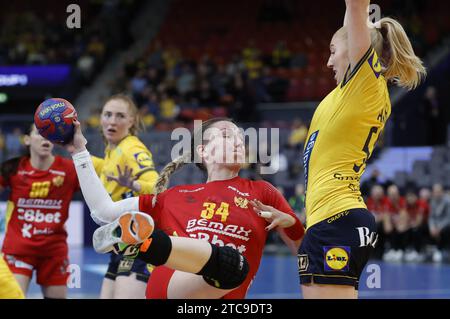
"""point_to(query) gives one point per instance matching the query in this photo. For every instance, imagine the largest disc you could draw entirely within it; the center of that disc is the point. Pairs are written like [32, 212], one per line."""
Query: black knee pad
[159, 250]
[226, 268]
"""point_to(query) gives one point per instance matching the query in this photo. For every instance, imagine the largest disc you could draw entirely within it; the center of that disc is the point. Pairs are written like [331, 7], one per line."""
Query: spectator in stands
[138, 82]
[281, 56]
[14, 143]
[396, 224]
[424, 199]
[186, 80]
[434, 117]
[168, 108]
[376, 204]
[368, 184]
[417, 225]
[93, 121]
[439, 221]
[298, 134]
[206, 95]
[2, 146]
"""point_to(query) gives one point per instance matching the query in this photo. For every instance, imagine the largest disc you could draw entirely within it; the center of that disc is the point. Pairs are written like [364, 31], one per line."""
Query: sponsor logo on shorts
[303, 263]
[336, 258]
[125, 265]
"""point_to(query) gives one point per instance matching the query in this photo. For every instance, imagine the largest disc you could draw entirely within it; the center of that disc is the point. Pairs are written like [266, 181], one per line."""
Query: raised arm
[103, 209]
[358, 33]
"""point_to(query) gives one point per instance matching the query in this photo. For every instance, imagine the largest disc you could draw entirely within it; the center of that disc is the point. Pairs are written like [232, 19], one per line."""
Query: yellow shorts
[9, 288]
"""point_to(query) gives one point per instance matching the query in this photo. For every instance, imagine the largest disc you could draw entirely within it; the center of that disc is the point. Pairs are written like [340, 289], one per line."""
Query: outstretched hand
[124, 178]
[273, 216]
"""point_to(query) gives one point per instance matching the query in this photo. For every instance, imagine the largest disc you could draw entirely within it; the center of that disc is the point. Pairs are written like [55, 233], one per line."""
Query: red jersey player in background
[225, 213]
[41, 187]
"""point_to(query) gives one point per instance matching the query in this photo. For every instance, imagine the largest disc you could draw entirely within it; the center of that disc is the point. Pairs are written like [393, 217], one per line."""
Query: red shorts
[158, 283]
[50, 271]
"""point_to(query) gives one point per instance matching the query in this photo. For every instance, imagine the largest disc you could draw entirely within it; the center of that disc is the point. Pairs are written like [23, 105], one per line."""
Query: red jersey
[377, 206]
[38, 207]
[418, 208]
[220, 213]
[423, 204]
[395, 207]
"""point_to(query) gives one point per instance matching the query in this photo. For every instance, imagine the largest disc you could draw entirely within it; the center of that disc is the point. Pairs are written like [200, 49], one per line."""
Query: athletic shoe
[130, 228]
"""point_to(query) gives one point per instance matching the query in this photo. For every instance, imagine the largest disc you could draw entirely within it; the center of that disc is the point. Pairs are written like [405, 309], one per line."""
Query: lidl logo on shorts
[336, 258]
[375, 64]
[143, 159]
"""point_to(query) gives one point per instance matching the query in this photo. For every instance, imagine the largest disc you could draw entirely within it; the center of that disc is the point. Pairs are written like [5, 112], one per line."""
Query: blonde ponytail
[400, 63]
[164, 176]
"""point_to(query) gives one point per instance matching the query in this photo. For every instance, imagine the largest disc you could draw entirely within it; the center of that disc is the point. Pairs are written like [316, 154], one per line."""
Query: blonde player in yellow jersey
[127, 170]
[9, 287]
[341, 232]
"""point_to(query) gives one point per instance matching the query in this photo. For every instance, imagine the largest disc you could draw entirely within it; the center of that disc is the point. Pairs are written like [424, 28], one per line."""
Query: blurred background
[263, 63]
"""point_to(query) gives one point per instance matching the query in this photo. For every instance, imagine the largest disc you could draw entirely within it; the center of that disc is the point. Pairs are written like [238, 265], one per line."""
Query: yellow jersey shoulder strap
[372, 68]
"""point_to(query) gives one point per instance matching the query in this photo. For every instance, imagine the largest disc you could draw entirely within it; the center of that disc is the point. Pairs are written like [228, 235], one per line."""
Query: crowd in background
[37, 34]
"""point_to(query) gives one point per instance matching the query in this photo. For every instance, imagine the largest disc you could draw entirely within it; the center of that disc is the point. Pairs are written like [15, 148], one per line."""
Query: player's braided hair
[163, 180]
[164, 176]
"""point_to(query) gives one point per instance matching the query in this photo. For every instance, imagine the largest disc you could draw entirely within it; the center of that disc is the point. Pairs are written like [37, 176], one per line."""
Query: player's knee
[226, 268]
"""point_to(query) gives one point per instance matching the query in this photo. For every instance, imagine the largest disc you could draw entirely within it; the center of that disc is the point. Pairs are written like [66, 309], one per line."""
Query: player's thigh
[129, 287]
[109, 281]
[317, 291]
[23, 281]
[183, 285]
[55, 292]
[107, 290]
[131, 278]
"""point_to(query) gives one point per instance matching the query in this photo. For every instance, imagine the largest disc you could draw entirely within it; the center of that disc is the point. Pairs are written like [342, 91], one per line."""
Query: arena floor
[277, 279]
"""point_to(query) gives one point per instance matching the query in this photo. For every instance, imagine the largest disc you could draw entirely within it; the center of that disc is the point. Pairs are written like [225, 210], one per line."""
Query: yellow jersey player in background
[9, 287]
[126, 171]
[341, 232]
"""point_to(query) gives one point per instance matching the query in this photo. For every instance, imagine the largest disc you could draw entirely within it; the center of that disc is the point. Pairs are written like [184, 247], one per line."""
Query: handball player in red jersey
[42, 186]
[208, 238]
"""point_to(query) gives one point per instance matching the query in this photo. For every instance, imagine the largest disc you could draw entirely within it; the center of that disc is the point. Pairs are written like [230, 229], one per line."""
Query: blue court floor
[277, 278]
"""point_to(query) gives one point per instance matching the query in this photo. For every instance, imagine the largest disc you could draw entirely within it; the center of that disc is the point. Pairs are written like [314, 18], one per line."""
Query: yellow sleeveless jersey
[130, 152]
[341, 138]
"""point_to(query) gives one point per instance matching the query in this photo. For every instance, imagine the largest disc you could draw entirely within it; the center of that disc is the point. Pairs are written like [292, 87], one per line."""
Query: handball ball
[54, 120]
